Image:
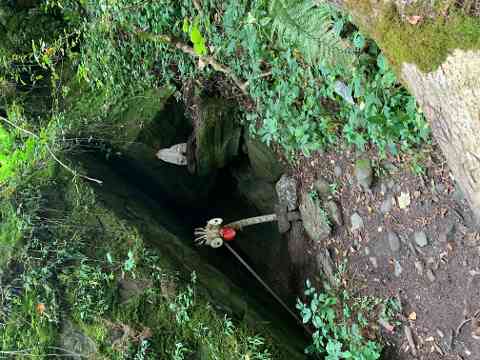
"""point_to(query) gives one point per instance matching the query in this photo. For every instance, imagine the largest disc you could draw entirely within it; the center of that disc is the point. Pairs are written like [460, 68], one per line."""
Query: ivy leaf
[198, 41]
[359, 41]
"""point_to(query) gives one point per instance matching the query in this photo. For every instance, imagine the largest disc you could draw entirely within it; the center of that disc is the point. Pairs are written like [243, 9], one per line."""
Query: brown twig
[462, 324]
[411, 342]
[208, 60]
[466, 321]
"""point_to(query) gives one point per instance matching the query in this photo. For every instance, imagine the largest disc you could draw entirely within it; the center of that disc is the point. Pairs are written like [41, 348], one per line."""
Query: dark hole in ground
[163, 184]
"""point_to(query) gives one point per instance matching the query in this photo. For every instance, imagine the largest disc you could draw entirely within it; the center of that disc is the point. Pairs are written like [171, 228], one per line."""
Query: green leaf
[359, 41]
[186, 26]
[198, 41]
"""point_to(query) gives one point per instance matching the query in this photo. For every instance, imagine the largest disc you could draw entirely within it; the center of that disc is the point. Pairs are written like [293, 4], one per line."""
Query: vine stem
[66, 167]
[208, 60]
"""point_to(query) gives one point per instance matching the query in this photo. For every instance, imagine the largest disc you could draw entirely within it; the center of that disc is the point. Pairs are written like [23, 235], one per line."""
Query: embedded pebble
[421, 239]
[394, 242]
[337, 171]
[357, 222]
[391, 184]
[419, 266]
[334, 212]
[387, 204]
[397, 268]
[374, 261]
[364, 173]
[430, 275]
[322, 187]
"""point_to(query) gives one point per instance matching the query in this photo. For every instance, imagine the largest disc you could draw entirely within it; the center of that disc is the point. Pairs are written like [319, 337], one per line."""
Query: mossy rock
[217, 135]
[257, 191]
[426, 44]
[139, 114]
[264, 161]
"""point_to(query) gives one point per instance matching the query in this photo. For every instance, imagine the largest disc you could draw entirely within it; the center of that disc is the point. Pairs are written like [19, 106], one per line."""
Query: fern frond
[308, 26]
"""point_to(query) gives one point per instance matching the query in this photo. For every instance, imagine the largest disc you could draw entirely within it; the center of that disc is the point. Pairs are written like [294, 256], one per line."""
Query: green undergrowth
[72, 268]
[293, 90]
[345, 326]
[428, 43]
[68, 85]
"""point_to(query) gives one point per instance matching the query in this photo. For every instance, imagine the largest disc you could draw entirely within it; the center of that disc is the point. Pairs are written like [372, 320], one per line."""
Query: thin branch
[208, 60]
[66, 167]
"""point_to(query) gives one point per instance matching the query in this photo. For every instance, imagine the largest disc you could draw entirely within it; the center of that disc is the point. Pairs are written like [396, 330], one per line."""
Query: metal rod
[238, 225]
[260, 280]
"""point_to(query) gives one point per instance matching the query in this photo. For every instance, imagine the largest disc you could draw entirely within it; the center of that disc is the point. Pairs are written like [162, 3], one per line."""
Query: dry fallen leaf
[403, 200]
[40, 308]
[412, 316]
[414, 19]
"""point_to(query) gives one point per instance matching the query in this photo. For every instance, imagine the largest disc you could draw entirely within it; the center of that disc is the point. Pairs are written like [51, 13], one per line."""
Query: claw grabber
[215, 235]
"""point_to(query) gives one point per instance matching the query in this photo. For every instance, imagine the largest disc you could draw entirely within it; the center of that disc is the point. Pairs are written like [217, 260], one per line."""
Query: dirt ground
[437, 280]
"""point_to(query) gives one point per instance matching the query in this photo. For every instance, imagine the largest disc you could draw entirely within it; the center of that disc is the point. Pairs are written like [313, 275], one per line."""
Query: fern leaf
[308, 26]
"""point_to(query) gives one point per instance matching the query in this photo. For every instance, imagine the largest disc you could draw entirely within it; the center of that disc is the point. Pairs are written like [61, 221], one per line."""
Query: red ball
[227, 233]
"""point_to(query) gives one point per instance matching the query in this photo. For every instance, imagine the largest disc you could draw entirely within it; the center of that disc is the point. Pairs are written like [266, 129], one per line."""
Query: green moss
[426, 44]
[27, 329]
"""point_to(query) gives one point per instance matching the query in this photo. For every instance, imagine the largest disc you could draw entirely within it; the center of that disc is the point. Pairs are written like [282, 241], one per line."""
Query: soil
[442, 291]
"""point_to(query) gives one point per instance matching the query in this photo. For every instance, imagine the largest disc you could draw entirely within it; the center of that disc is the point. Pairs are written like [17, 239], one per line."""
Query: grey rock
[380, 246]
[447, 340]
[373, 261]
[432, 263]
[448, 234]
[383, 188]
[322, 187]
[397, 268]
[75, 342]
[458, 194]
[394, 242]
[337, 171]
[334, 212]
[440, 188]
[367, 250]
[326, 265]
[364, 173]
[287, 192]
[419, 266]
[315, 219]
[259, 192]
[390, 184]
[129, 289]
[421, 239]
[391, 168]
[263, 160]
[357, 222]
[430, 275]
[387, 204]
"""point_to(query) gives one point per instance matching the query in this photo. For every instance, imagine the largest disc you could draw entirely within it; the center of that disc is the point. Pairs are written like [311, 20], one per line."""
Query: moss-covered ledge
[426, 44]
